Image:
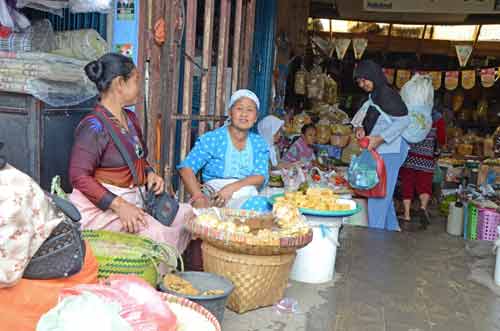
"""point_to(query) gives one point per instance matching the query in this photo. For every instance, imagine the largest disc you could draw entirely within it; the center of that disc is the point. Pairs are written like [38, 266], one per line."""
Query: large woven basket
[243, 243]
[259, 281]
[122, 253]
[194, 306]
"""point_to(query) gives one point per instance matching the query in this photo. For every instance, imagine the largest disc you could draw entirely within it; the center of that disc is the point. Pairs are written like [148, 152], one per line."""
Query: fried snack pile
[179, 285]
[315, 198]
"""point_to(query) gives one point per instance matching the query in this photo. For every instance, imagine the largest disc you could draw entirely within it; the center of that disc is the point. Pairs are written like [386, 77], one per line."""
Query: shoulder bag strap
[123, 151]
[381, 112]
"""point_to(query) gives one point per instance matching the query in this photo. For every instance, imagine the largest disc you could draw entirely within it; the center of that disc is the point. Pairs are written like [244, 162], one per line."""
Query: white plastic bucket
[361, 218]
[315, 263]
[455, 224]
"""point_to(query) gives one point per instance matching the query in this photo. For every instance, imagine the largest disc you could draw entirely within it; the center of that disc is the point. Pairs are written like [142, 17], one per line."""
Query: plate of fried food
[318, 202]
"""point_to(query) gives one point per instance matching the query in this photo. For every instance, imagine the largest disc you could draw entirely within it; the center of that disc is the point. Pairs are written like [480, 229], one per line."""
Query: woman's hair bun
[94, 70]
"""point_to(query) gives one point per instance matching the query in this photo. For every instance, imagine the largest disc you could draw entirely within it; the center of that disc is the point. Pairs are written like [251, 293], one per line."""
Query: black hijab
[383, 95]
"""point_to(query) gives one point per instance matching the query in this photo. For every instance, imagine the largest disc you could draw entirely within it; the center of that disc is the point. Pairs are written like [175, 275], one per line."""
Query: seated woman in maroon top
[103, 186]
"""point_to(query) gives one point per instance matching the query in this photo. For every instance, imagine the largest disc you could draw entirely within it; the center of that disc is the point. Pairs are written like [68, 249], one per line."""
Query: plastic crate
[487, 225]
[472, 220]
[466, 219]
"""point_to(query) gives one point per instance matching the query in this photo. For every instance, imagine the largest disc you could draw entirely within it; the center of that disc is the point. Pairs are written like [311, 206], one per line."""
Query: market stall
[259, 252]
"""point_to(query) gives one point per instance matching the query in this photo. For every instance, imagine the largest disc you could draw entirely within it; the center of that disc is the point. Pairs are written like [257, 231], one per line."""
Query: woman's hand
[374, 142]
[199, 200]
[201, 203]
[360, 133]
[133, 218]
[155, 183]
[224, 195]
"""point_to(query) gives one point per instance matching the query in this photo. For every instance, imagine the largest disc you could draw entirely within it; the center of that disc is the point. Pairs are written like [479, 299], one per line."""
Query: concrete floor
[387, 281]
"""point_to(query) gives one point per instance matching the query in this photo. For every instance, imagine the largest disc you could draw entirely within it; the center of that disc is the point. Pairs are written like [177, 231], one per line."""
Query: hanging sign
[451, 80]
[437, 77]
[341, 46]
[389, 74]
[359, 45]
[402, 77]
[488, 77]
[463, 53]
[431, 6]
[468, 79]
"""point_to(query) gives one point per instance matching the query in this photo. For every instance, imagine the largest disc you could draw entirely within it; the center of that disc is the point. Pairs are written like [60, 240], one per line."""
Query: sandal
[408, 226]
[423, 218]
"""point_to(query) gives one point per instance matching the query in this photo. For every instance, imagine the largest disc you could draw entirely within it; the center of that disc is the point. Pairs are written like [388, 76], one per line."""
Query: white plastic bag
[418, 91]
[11, 18]
[87, 6]
[84, 312]
[418, 95]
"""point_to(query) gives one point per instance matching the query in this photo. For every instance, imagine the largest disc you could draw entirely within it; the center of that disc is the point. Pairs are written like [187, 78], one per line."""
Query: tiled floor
[387, 281]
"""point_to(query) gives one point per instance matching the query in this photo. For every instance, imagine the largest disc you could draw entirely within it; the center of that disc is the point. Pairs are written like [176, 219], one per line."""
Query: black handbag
[62, 254]
[162, 207]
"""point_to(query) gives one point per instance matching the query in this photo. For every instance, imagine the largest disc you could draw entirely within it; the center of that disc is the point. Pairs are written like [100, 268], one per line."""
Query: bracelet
[197, 197]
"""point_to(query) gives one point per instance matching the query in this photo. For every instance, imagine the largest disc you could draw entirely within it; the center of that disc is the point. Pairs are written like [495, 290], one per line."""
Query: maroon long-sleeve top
[95, 159]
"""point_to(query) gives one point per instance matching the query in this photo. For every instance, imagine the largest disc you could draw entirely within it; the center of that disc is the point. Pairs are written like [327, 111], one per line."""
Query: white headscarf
[243, 94]
[267, 129]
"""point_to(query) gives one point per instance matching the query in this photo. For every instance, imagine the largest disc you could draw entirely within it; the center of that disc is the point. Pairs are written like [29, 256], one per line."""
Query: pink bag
[142, 306]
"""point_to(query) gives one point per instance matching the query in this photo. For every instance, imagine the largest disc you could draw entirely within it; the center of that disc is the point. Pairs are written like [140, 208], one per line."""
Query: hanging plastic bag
[11, 18]
[418, 95]
[367, 174]
[87, 6]
[300, 81]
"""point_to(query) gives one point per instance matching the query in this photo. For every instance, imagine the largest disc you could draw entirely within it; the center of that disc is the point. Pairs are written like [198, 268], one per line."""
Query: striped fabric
[19, 42]
[39, 37]
[421, 155]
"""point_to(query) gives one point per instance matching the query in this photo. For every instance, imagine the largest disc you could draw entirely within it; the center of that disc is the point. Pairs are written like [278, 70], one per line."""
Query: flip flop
[407, 226]
[423, 218]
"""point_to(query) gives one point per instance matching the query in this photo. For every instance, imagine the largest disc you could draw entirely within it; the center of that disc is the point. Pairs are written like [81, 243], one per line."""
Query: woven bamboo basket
[122, 253]
[244, 243]
[259, 281]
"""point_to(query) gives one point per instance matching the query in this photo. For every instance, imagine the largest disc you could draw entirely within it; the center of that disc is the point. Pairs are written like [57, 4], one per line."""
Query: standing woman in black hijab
[382, 119]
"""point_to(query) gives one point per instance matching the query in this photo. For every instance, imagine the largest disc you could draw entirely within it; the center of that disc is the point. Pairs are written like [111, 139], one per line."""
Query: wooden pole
[208, 24]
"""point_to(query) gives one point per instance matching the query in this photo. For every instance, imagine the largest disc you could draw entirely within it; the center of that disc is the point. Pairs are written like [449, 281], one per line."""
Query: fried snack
[287, 215]
[209, 220]
[315, 198]
[179, 285]
[212, 293]
[260, 222]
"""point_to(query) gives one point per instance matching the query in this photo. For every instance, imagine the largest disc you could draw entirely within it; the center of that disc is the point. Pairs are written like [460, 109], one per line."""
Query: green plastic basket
[472, 221]
[126, 254]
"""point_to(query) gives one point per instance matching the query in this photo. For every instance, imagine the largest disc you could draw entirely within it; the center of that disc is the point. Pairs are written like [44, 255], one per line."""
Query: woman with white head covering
[233, 160]
[269, 128]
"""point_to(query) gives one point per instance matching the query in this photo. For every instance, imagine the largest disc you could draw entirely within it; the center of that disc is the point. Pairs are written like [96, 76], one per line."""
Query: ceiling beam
[379, 43]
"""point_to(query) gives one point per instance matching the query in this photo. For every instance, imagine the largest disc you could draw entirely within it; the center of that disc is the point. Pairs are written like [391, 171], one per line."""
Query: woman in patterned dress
[418, 170]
